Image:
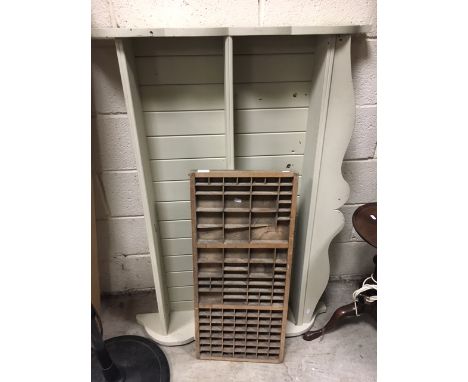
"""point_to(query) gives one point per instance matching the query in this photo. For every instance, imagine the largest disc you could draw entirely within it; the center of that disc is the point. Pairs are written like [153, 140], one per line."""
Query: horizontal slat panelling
[275, 163]
[273, 44]
[178, 169]
[175, 229]
[269, 144]
[175, 247]
[178, 46]
[270, 120]
[266, 95]
[180, 70]
[171, 191]
[184, 123]
[178, 263]
[182, 97]
[180, 293]
[179, 278]
[181, 305]
[206, 146]
[272, 68]
[173, 210]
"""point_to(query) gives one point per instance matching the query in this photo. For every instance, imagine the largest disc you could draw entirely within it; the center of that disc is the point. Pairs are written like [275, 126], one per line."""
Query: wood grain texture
[242, 241]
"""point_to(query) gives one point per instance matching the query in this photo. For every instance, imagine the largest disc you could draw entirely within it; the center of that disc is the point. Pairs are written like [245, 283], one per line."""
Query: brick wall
[123, 247]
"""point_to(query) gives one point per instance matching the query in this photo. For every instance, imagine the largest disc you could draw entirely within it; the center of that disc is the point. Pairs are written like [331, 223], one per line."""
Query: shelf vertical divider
[229, 101]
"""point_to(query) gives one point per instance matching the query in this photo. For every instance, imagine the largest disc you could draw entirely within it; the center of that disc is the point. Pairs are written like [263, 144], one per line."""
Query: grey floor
[345, 355]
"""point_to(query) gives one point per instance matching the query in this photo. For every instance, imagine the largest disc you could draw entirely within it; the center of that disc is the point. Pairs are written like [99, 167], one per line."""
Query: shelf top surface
[102, 33]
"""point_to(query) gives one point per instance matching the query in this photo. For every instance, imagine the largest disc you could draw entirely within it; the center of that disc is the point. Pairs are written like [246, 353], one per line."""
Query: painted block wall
[123, 247]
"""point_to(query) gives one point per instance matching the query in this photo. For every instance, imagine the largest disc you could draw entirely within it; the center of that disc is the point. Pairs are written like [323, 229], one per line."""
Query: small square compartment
[210, 298]
[210, 255]
[236, 255]
[261, 271]
[237, 202]
[281, 255]
[209, 218]
[261, 255]
[259, 219]
[264, 201]
[236, 234]
[236, 218]
[214, 234]
[209, 202]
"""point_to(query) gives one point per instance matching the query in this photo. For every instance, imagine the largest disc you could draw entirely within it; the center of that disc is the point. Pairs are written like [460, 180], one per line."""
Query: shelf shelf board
[106, 33]
[209, 225]
[209, 209]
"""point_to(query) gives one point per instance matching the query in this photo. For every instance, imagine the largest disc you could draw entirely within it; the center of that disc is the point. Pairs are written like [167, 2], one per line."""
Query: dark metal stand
[365, 223]
[125, 358]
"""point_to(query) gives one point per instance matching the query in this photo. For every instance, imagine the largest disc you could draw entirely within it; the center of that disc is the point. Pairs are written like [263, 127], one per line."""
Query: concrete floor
[345, 355]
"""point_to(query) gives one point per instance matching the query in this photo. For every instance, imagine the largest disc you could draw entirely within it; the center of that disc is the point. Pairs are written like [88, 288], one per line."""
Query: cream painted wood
[227, 31]
[274, 163]
[186, 147]
[174, 70]
[181, 305]
[184, 278]
[173, 229]
[279, 44]
[171, 191]
[178, 263]
[135, 118]
[316, 126]
[331, 129]
[228, 102]
[270, 120]
[271, 95]
[180, 293]
[269, 144]
[182, 97]
[173, 210]
[181, 326]
[174, 247]
[177, 169]
[180, 114]
[184, 123]
[333, 191]
[179, 46]
[272, 68]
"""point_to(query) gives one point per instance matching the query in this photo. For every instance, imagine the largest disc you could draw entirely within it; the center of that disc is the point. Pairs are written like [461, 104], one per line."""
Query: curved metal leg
[344, 311]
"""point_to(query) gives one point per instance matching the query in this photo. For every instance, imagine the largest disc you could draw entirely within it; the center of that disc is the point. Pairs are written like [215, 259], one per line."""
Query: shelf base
[293, 330]
[181, 327]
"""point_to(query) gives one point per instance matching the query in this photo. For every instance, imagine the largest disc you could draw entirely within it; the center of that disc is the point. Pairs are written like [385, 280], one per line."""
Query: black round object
[138, 359]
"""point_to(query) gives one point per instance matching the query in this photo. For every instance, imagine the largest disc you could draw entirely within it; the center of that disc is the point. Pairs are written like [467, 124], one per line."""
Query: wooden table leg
[344, 311]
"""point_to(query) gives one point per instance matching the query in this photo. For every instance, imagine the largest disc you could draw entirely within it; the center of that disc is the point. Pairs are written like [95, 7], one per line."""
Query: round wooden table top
[365, 223]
